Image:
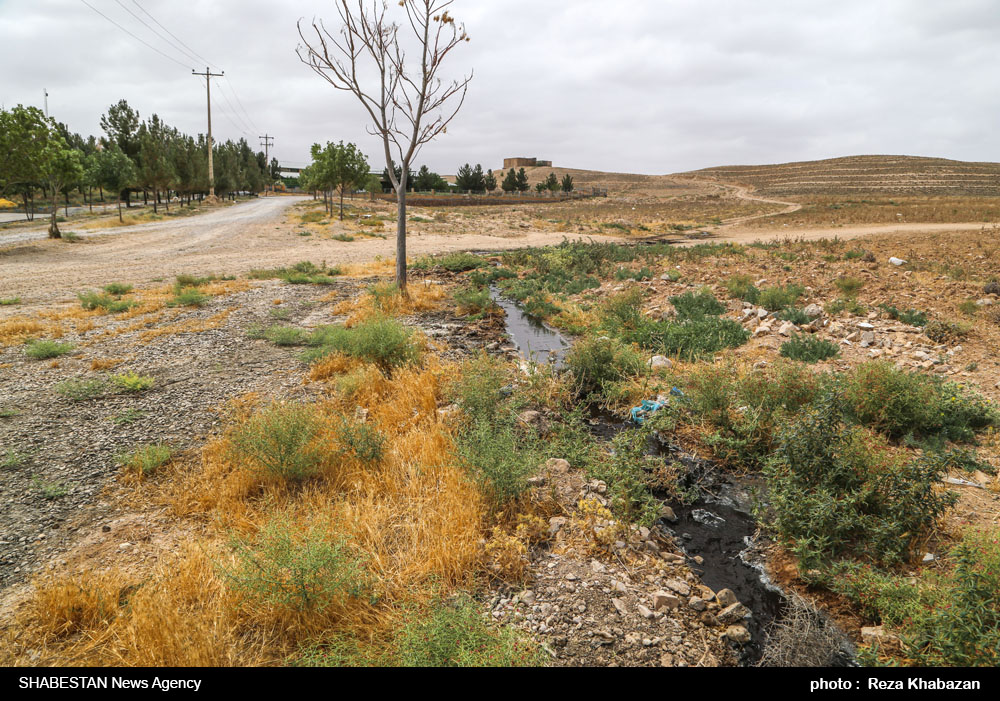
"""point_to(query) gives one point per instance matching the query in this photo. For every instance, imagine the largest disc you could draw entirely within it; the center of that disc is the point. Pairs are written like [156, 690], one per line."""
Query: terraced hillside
[887, 175]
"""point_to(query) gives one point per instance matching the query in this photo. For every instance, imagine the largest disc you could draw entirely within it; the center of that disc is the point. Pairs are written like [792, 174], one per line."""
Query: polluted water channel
[535, 340]
[715, 528]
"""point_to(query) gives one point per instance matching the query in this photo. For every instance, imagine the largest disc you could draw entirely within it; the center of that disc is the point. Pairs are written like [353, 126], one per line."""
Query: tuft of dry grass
[17, 330]
[384, 299]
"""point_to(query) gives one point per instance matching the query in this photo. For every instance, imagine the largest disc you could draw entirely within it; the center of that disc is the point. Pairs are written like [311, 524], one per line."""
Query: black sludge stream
[718, 527]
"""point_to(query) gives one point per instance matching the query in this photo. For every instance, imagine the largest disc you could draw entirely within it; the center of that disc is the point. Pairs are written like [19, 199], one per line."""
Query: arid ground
[226, 439]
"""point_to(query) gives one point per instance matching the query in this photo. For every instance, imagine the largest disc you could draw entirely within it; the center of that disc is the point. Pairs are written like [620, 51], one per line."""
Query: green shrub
[839, 491]
[480, 387]
[361, 441]
[472, 300]
[774, 299]
[499, 456]
[343, 238]
[286, 336]
[50, 491]
[849, 286]
[117, 289]
[947, 331]
[623, 274]
[696, 306]
[456, 634]
[46, 350]
[189, 297]
[691, 340]
[461, 262]
[808, 349]
[12, 302]
[742, 287]
[898, 403]
[794, 315]
[385, 342]
[82, 390]
[110, 305]
[303, 572]
[946, 620]
[598, 363]
[849, 305]
[184, 281]
[131, 383]
[147, 460]
[911, 317]
[281, 441]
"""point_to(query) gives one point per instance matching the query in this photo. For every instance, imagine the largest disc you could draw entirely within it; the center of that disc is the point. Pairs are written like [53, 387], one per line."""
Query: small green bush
[286, 336]
[385, 342]
[691, 305]
[911, 317]
[472, 300]
[456, 634]
[281, 441]
[808, 349]
[131, 383]
[189, 297]
[898, 403]
[774, 299]
[947, 331]
[461, 262]
[849, 286]
[82, 390]
[147, 460]
[46, 350]
[599, 363]
[12, 302]
[623, 274]
[848, 305]
[742, 287]
[117, 289]
[795, 315]
[840, 491]
[302, 572]
[361, 441]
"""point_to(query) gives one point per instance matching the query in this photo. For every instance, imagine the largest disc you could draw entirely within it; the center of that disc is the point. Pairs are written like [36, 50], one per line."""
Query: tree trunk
[53, 225]
[120, 219]
[401, 236]
[155, 201]
[341, 204]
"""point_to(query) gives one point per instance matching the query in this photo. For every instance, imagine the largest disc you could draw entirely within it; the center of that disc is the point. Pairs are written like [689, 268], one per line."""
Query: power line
[246, 128]
[194, 55]
[240, 102]
[155, 33]
[233, 109]
[147, 44]
[192, 51]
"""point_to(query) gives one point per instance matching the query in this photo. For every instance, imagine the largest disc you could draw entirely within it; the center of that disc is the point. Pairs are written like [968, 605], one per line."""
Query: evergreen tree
[490, 182]
[552, 183]
[567, 183]
[510, 182]
[522, 181]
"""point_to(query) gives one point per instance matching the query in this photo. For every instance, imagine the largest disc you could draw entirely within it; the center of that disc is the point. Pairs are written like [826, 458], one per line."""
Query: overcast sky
[645, 86]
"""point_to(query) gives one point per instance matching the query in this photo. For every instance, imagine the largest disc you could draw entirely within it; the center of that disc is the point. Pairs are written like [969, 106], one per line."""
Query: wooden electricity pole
[211, 167]
[268, 143]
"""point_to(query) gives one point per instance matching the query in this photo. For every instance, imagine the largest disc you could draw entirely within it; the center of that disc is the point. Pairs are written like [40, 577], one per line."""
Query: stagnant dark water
[717, 525]
[535, 341]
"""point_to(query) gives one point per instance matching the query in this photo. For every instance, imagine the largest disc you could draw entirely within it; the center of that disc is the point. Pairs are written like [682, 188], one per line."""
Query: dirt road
[230, 241]
[259, 234]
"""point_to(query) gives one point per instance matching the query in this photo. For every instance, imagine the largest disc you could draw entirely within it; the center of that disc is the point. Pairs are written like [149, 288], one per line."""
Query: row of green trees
[337, 168]
[39, 154]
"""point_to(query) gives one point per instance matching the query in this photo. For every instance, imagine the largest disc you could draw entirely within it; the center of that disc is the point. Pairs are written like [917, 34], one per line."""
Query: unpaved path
[230, 241]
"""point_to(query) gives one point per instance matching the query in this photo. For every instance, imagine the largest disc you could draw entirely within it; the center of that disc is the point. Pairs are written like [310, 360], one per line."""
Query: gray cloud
[641, 86]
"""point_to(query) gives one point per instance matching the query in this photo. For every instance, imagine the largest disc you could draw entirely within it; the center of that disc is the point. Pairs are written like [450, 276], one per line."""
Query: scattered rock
[814, 311]
[898, 262]
[679, 587]
[660, 362]
[726, 598]
[733, 614]
[738, 634]
[664, 601]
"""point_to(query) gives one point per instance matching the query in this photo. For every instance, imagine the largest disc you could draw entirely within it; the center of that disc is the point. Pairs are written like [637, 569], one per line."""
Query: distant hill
[854, 175]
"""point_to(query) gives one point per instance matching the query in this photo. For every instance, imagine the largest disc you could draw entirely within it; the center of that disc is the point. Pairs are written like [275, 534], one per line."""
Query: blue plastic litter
[650, 407]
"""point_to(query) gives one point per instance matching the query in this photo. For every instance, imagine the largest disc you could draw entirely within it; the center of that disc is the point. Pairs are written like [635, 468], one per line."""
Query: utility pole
[208, 75]
[268, 143]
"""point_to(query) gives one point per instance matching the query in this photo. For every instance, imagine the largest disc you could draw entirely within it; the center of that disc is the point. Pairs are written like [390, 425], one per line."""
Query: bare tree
[409, 104]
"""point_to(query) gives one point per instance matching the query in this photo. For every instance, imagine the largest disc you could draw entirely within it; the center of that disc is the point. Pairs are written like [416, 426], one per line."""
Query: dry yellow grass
[190, 326]
[17, 330]
[414, 519]
[384, 300]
